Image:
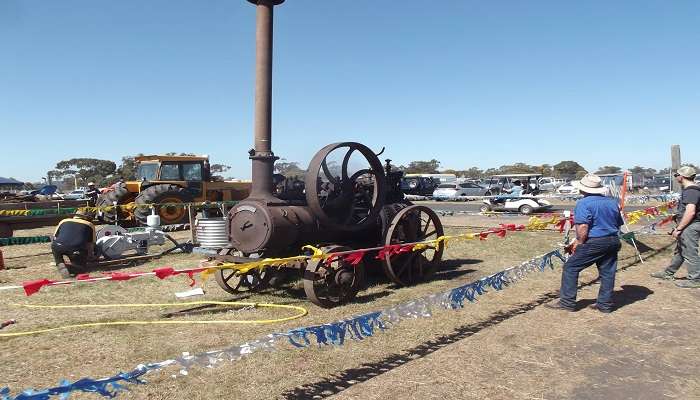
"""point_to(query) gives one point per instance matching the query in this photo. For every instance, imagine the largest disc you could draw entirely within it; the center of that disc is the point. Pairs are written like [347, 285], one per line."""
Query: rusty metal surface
[339, 202]
[261, 155]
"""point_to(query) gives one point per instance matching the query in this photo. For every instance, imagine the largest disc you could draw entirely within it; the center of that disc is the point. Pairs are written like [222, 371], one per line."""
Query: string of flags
[335, 333]
[353, 257]
[126, 207]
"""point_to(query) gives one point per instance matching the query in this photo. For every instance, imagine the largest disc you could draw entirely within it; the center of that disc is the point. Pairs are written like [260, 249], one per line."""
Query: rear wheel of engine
[174, 201]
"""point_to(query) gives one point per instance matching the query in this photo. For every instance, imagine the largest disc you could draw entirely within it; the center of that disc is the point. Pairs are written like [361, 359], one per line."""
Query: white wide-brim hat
[591, 184]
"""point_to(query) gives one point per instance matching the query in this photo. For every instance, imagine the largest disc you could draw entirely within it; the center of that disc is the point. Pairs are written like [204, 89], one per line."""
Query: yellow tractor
[168, 179]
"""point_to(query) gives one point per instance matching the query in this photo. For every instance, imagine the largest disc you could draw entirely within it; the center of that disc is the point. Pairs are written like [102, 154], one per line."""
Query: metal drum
[212, 233]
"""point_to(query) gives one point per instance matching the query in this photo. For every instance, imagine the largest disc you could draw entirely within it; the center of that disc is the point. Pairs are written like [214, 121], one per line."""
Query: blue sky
[470, 83]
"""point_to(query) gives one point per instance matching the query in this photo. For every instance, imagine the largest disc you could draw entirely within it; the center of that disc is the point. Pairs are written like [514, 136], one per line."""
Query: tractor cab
[188, 172]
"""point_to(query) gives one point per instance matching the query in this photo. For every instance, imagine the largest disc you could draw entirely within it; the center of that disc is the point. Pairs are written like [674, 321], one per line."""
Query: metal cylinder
[262, 157]
[212, 233]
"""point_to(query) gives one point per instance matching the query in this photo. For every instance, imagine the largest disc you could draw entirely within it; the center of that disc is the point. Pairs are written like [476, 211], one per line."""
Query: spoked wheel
[410, 225]
[234, 283]
[328, 284]
[346, 194]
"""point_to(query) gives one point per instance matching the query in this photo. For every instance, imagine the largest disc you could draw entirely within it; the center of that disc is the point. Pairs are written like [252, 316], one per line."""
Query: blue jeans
[600, 251]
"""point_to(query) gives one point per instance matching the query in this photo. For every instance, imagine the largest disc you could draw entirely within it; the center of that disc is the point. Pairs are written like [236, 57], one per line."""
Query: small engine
[114, 241]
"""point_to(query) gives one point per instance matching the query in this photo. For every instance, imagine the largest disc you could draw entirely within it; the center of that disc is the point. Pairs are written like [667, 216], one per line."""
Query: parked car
[77, 194]
[419, 185]
[567, 188]
[661, 183]
[449, 191]
[550, 184]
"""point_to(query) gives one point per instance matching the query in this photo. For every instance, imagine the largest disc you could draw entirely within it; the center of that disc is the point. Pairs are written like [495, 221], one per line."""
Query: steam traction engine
[346, 201]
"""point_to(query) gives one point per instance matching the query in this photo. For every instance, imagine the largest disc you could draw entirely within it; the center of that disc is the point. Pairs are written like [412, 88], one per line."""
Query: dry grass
[43, 360]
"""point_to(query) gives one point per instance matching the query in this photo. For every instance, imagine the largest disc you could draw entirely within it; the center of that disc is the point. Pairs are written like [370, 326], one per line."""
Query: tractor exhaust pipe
[263, 159]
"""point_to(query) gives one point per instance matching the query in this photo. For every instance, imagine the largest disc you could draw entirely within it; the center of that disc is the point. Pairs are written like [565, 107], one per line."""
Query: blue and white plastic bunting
[335, 333]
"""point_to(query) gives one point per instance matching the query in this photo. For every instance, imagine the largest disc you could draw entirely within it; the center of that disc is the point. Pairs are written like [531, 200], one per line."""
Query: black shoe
[594, 306]
[558, 306]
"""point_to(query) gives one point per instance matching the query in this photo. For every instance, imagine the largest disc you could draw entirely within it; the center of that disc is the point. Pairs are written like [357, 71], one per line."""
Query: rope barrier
[301, 312]
[14, 241]
[127, 207]
[352, 256]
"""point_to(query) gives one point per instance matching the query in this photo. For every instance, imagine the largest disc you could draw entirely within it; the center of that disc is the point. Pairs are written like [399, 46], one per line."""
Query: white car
[75, 195]
[451, 191]
[548, 183]
[567, 188]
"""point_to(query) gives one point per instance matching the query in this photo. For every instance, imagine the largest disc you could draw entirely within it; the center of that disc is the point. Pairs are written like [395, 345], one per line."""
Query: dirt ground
[644, 350]
[504, 346]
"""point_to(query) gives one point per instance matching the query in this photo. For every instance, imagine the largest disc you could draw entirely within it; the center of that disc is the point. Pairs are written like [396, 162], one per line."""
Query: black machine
[347, 200]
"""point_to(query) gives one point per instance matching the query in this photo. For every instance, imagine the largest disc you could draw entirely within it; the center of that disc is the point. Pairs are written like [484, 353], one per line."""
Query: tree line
[106, 172]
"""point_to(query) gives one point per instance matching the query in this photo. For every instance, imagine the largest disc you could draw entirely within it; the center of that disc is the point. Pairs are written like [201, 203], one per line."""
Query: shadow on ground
[343, 380]
[621, 298]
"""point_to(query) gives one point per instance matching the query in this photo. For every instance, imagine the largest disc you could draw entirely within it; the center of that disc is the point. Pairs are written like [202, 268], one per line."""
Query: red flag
[393, 249]
[354, 258]
[32, 287]
[164, 272]
[119, 276]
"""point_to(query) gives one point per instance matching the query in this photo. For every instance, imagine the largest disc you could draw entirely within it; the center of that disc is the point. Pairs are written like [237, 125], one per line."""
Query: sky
[469, 83]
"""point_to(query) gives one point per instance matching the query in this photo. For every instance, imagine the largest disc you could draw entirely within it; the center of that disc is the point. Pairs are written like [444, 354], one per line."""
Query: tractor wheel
[175, 212]
[120, 195]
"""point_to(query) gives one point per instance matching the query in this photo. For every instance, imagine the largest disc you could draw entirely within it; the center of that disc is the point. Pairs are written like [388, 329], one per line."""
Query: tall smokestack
[263, 159]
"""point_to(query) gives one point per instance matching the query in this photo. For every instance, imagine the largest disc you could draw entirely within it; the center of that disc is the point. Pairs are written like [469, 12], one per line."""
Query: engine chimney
[263, 159]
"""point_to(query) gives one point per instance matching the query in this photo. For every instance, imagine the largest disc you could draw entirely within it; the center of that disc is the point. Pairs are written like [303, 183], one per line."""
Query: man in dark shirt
[687, 231]
[92, 193]
[74, 238]
[597, 219]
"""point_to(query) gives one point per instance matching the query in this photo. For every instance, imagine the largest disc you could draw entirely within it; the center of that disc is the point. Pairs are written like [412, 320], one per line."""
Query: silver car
[451, 191]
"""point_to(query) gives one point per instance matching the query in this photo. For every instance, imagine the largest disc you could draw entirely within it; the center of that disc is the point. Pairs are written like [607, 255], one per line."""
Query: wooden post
[675, 164]
[193, 235]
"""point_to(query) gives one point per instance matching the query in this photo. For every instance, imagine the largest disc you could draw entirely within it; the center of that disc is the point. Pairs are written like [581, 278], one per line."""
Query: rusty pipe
[263, 159]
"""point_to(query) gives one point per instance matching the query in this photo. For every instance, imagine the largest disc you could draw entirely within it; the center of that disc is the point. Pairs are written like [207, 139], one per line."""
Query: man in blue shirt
[597, 221]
